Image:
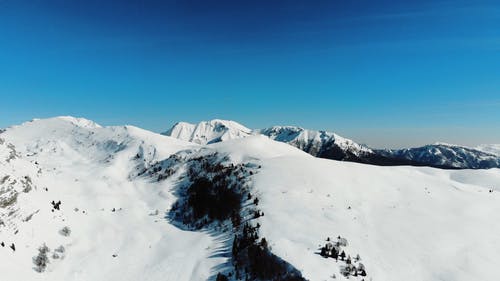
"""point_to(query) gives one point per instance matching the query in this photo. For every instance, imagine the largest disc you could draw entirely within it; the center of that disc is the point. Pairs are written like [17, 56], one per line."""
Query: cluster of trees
[254, 261]
[214, 193]
[41, 260]
[221, 277]
[59, 252]
[56, 205]
[213, 199]
[163, 169]
[351, 269]
[65, 231]
[334, 250]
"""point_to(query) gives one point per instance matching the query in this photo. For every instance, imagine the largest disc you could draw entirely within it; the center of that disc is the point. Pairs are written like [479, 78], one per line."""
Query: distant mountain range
[329, 145]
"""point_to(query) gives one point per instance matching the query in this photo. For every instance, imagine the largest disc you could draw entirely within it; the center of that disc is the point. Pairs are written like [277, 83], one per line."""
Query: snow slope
[490, 148]
[406, 223]
[89, 169]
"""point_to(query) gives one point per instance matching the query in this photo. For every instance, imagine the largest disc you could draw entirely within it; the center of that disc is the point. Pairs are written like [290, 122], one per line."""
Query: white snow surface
[208, 131]
[406, 223]
[490, 148]
[87, 168]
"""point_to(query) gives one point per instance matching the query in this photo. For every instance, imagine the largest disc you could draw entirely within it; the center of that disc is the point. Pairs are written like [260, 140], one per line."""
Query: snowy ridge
[117, 186]
[207, 132]
[329, 145]
[90, 170]
[490, 148]
[313, 142]
[317, 143]
[447, 155]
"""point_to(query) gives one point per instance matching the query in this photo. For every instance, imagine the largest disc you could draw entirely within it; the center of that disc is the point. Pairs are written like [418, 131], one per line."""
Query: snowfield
[490, 148]
[87, 168]
[406, 223]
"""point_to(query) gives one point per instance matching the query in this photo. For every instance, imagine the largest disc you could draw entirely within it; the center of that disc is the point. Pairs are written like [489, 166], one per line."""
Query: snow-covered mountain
[317, 143]
[321, 144]
[79, 201]
[329, 145]
[490, 148]
[207, 132]
[447, 155]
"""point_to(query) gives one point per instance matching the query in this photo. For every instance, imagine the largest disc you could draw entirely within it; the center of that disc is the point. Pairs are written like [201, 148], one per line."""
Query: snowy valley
[219, 201]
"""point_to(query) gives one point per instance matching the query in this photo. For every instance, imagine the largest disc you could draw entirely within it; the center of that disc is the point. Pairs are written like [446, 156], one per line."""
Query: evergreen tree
[342, 255]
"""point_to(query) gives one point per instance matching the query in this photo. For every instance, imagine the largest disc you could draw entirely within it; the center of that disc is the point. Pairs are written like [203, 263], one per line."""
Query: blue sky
[383, 73]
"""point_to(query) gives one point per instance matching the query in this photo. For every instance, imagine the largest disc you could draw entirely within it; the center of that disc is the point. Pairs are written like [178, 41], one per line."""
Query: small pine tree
[65, 231]
[342, 255]
[41, 260]
[335, 254]
[263, 243]
[323, 252]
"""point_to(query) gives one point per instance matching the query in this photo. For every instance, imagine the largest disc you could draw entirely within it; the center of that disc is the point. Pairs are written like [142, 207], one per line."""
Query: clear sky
[384, 73]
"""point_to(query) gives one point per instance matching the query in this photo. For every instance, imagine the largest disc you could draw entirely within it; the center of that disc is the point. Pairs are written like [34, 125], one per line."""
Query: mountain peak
[206, 132]
[79, 121]
[76, 121]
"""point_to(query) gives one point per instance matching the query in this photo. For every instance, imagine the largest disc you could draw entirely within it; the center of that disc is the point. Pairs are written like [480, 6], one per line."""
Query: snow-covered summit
[329, 145]
[207, 132]
[317, 143]
[77, 121]
[78, 137]
[81, 122]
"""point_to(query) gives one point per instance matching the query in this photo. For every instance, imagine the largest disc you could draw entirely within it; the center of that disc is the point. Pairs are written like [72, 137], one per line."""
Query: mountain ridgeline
[108, 203]
[328, 145]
